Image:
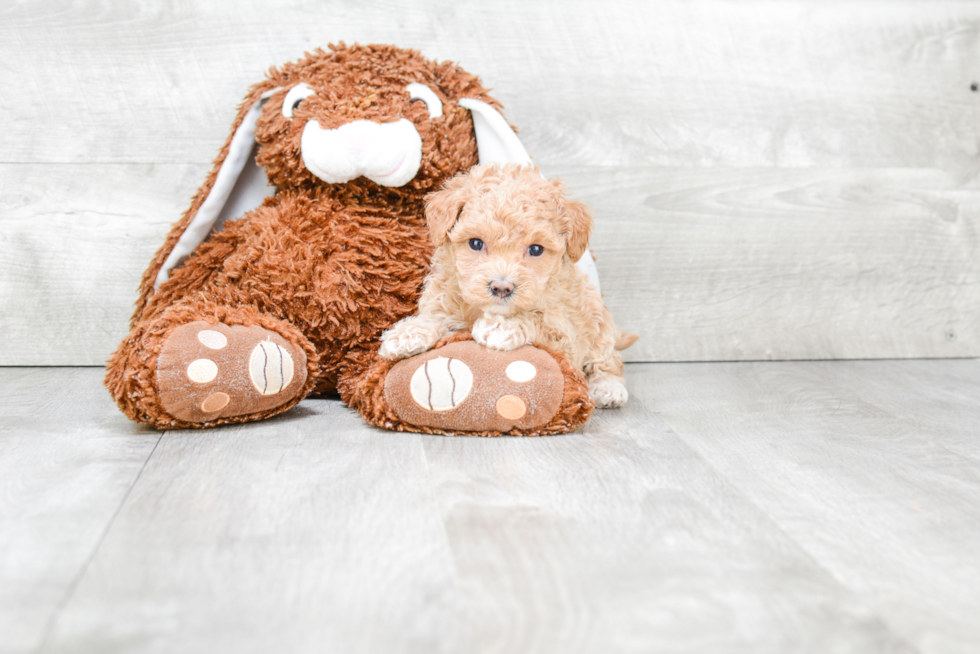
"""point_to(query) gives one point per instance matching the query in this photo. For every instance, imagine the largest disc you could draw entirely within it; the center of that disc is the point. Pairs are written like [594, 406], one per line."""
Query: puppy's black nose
[501, 289]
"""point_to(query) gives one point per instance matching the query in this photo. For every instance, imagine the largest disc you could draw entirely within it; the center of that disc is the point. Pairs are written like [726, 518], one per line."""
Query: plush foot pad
[466, 387]
[206, 372]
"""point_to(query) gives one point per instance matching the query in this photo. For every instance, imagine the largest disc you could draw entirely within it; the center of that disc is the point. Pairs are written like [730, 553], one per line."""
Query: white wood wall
[770, 180]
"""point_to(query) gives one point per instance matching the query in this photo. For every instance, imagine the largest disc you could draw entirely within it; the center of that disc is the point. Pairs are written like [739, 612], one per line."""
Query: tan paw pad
[212, 339]
[208, 371]
[441, 384]
[270, 368]
[511, 407]
[202, 371]
[466, 387]
[521, 371]
[215, 402]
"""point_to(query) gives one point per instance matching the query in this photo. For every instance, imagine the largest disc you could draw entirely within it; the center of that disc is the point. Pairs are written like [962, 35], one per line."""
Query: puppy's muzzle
[502, 288]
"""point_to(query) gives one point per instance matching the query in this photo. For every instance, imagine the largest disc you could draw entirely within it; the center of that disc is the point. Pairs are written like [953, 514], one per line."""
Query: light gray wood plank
[622, 539]
[703, 264]
[731, 507]
[74, 241]
[788, 264]
[311, 532]
[67, 462]
[943, 404]
[801, 83]
[852, 461]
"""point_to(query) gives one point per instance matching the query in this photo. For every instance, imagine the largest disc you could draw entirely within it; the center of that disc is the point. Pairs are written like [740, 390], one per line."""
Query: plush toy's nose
[386, 153]
[502, 288]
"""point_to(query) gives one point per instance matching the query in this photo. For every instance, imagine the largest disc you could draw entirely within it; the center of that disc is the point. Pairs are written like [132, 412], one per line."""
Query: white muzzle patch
[386, 153]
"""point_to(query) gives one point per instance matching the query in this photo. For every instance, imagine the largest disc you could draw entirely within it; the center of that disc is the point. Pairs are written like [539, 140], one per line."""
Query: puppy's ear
[578, 222]
[443, 207]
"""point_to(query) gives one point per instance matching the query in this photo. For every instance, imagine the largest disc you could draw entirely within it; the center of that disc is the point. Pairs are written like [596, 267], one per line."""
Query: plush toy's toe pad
[209, 371]
[466, 387]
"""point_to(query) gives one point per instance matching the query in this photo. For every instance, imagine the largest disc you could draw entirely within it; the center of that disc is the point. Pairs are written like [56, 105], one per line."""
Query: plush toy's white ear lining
[239, 187]
[586, 266]
[495, 140]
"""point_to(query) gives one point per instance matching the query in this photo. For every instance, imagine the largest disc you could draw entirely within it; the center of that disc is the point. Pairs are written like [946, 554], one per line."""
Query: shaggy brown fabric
[491, 402]
[327, 267]
[202, 379]
[131, 375]
[366, 393]
[354, 83]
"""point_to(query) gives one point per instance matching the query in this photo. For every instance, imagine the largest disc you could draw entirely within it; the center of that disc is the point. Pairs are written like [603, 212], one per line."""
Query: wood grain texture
[730, 507]
[788, 264]
[621, 539]
[314, 525]
[864, 465]
[772, 180]
[73, 243]
[66, 464]
[799, 83]
[703, 264]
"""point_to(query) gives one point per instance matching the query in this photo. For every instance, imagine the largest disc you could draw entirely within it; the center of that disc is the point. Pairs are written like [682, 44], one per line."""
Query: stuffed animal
[258, 299]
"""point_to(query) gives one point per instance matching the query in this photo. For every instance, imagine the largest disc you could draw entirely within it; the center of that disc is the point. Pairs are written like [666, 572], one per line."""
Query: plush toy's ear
[443, 207]
[239, 186]
[495, 140]
[234, 186]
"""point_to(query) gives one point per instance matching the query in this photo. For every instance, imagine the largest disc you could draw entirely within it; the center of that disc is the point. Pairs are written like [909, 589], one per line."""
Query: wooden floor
[732, 507]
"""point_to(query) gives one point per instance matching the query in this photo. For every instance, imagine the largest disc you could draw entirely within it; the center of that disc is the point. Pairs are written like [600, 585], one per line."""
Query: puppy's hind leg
[608, 391]
[606, 384]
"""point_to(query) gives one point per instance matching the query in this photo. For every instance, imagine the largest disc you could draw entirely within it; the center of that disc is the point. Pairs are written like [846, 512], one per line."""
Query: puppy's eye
[535, 250]
[295, 96]
[476, 244]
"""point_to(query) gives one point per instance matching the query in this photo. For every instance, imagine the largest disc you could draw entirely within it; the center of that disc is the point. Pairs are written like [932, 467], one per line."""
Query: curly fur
[507, 240]
[329, 266]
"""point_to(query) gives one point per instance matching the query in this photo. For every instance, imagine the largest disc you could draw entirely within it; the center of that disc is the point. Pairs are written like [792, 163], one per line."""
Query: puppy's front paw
[407, 338]
[608, 393]
[499, 334]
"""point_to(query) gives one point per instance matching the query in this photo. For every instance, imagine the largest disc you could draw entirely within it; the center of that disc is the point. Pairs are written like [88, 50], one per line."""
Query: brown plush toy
[254, 302]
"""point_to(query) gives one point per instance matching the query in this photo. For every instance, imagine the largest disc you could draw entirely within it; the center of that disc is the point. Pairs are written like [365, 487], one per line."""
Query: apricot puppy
[504, 268]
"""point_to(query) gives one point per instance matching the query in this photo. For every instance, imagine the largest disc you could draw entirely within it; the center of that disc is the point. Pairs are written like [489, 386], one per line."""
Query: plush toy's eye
[535, 250]
[294, 97]
[425, 94]
[476, 244]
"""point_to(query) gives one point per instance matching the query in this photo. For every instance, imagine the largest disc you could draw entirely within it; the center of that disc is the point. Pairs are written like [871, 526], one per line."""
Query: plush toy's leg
[462, 387]
[198, 366]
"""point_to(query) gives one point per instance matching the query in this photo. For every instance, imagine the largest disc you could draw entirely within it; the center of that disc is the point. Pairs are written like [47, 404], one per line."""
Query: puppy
[504, 268]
